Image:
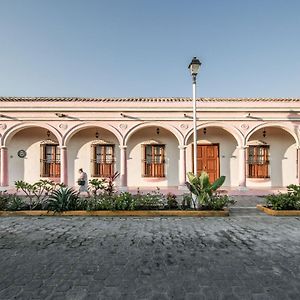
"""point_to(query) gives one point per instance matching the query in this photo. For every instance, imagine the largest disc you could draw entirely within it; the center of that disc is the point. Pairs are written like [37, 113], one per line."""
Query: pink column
[298, 164]
[123, 167]
[242, 167]
[4, 167]
[64, 165]
[182, 167]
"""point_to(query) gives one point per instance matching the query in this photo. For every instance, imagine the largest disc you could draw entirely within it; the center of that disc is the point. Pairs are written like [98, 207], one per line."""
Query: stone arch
[236, 133]
[18, 127]
[66, 138]
[170, 128]
[278, 125]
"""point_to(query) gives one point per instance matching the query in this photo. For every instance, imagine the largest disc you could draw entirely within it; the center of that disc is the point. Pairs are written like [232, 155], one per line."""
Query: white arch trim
[169, 128]
[18, 127]
[282, 126]
[235, 132]
[82, 126]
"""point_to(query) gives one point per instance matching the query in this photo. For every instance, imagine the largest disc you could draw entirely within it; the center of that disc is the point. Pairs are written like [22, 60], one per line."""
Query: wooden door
[208, 160]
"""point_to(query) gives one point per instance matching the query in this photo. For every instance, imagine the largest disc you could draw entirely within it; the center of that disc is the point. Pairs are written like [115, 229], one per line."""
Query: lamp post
[194, 67]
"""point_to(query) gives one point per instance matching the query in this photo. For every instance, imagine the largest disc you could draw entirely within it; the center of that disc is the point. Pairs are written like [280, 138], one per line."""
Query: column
[4, 167]
[298, 165]
[242, 168]
[123, 167]
[182, 167]
[64, 165]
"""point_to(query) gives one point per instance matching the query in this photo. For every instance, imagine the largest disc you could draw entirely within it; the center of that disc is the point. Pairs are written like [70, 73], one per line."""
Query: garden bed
[273, 212]
[121, 213]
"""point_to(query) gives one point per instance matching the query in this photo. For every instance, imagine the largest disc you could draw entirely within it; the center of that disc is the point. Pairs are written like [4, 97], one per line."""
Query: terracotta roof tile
[171, 99]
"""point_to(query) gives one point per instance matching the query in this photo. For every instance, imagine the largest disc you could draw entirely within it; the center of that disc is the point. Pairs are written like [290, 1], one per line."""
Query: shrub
[63, 199]
[101, 202]
[38, 192]
[217, 202]
[287, 201]
[186, 201]
[11, 202]
[153, 200]
[124, 201]
[97, 186]
[171, 201]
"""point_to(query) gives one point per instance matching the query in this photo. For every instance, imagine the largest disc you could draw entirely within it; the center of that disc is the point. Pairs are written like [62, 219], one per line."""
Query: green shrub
[37, 193]
[287, 201]
[171, 201]
[186, 201]
[100, 202]
[124, 201]
[97, 186]
[63, 199]
[149, 201]
[11, 202]
[217, 202]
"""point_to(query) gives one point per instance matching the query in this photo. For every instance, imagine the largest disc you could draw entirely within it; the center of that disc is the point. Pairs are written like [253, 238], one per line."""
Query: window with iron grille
[50, 160]
[154, 160]
[103, 160]
[258, 161]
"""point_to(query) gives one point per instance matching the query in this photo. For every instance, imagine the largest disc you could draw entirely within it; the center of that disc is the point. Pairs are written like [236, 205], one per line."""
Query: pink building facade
[253, 142]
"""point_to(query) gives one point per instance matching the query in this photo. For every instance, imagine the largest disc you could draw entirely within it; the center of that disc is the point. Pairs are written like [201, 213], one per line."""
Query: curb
[112, 213]
[273, 212]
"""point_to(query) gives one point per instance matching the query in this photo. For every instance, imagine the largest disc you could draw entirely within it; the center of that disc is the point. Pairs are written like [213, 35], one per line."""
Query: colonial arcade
[253, 142]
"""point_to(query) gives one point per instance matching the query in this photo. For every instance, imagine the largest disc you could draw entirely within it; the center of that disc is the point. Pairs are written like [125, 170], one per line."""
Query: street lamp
[194, 67]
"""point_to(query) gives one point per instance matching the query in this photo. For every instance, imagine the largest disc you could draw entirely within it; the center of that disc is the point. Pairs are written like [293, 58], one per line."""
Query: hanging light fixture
[264, 133]
[48, 133]
[204, 131]
[97, 134]
[157, 130]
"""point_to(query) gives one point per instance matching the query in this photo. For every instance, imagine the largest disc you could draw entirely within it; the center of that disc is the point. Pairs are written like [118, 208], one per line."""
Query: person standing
[83, 182]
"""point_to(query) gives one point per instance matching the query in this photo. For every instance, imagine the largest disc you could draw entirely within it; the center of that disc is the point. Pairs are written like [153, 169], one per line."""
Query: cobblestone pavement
[240, 257]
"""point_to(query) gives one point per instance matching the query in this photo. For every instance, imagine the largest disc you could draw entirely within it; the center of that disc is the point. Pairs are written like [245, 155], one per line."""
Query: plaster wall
[134, 154]
[282, 169]
[28, 168]
[228, 152]
[79, 152]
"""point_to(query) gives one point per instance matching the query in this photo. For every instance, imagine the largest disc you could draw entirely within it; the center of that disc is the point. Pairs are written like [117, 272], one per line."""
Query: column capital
[123, 147]
[182, 147]
[242, 147]
[3, 147]
[63, 147]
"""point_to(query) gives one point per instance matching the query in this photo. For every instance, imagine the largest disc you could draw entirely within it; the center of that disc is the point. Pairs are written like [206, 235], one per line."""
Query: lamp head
[194, 66]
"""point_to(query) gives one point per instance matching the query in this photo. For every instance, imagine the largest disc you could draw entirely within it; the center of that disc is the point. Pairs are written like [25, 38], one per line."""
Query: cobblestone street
[239, 257]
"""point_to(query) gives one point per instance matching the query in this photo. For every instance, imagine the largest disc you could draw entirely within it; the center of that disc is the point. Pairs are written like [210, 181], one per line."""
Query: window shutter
[42, 157]
[143, 160]
[92, 159]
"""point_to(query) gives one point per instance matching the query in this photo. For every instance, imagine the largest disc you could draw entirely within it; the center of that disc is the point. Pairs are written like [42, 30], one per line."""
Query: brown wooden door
[208, 160]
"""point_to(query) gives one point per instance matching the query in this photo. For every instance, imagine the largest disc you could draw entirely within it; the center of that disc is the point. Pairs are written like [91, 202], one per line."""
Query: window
[258, 161]
[50, 160]
[154, 161]
[103, 160]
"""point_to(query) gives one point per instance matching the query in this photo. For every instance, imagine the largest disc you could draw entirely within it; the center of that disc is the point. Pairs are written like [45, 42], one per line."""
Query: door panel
[208, 160]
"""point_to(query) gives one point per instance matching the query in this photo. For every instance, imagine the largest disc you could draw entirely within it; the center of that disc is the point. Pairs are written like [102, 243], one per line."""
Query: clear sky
[141, 48]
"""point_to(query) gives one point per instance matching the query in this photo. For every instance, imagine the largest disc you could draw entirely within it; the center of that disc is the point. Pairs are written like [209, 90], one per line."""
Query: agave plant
[202, 188]
[63, 199]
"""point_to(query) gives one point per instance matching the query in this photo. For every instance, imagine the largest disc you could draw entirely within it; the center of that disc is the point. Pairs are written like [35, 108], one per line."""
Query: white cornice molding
[150, 109]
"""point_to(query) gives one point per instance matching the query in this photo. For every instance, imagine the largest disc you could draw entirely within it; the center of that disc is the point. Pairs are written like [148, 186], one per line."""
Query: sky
[142, 48]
